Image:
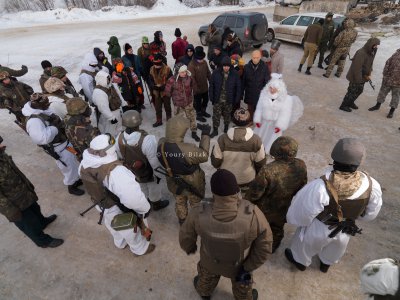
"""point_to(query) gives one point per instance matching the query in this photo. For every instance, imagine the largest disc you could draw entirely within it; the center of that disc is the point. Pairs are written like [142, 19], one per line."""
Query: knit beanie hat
[226, 61]
[178, 32]
[127, 47]
[223, 183]
[241, 117]
[46, 64]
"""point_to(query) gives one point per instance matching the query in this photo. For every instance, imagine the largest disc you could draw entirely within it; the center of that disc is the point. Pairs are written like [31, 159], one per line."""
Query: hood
[176, 128]
[349, 24]
[225, 208]
[102, 79]
[133, 138]
[276, 82]
[89, 59]
[240, 134]
[113, 41]
[27, 110]
[370, 43]
[94, 161]
[189, 46]
[97, 52]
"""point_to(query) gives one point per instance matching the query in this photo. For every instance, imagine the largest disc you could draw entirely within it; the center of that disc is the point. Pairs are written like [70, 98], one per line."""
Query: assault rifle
[49, 149]
[345, 226]
[371, 84]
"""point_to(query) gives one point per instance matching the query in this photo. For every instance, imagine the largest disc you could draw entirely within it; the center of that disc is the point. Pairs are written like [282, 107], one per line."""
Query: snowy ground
[88, 266]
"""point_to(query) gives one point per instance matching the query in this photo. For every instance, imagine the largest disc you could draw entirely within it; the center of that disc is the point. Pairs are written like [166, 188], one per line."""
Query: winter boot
[195, 280]
[326, 76]
[289, 256]
[226, 127]
[337, 75]
[308, 71]
[195, 136]
[320, 66]
[377, 106]
[160, 204]
[49, 220]
[214, 133]
[345, 108]
[54, 243]
[200, 117]
[390, 114]
[323, 267]
[73, 190]
[254, 293]
[353, 106]
[78, 183]
[300, 66]
[158, 123]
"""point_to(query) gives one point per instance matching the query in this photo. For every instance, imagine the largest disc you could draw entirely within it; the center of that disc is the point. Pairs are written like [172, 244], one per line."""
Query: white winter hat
[276, 76]
[102, 145]
[184, 69]
[101, 78]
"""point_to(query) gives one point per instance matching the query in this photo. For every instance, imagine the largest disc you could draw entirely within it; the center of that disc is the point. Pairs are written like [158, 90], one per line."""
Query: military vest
[344, 209]
[93, 180]
[160, 77]
[175, 159]
[134, 159]
[224, 242]
[114, 101]
[93, 74]
[55, 121]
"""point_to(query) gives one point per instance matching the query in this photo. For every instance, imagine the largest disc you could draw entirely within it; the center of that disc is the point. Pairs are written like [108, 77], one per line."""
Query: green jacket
[15, 73]
[327, 32]
[17, 193]
[114, 49]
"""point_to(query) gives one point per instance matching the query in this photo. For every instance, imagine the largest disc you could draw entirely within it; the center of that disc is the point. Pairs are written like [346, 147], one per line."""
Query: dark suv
[250, 27]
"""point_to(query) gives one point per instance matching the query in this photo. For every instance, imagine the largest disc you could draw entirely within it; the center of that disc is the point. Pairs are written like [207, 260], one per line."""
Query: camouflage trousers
[353, 92]
[339, 57]
[385, 90]
[190, 114]
[207, 282]
[310, 51]
[181, 204]
[221, 109]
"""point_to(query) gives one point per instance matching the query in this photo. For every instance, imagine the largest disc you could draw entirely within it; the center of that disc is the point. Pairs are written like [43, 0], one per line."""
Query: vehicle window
[304, 21]
[219, 21]
[230, 22]
[239, 23]
[338, 21]
[317, 19]
[289, 20]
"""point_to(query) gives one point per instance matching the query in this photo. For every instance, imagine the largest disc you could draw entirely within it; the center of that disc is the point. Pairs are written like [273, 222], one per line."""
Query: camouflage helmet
[53, 84]
[284, 147]
[348, 151]
[76, 106]
[4, 75]
[58, 72]
[131, 119]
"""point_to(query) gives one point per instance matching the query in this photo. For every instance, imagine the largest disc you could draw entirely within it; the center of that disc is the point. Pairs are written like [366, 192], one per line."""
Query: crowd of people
[96, 139]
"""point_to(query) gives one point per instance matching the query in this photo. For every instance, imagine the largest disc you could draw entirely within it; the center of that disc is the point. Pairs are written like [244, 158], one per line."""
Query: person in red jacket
[179, 46]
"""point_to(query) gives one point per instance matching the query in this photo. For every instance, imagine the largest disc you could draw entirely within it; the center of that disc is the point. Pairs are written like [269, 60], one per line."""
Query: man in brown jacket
[390, 83]
[235, 238]
[312, 38]
[359, 73]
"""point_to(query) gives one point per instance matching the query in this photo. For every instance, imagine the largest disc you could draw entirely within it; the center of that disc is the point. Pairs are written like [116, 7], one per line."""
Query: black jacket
[253, 81]
[187, 59]
[232, 86]
[216, 60]
[234, 48]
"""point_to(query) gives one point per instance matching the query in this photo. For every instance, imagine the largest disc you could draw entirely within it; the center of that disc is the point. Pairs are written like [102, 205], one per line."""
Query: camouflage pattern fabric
[181, 204]
[221, 109]
[190, 114]
[339, 58]
[385, 90]
[353, 92]
[207, 282]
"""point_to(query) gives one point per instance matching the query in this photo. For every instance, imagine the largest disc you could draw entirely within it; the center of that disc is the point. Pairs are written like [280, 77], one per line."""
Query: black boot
[158, 123]
[345, 108]
[78, 183]
[254, 293]
[73, 190]
[195, 136]
[320, 66]
[195, 280]
[54, 243]
[323, 267]
[289, 256]
[200, 117]
[353, 106]
[377, 106]
[160, 204]
[308, 71]
[49, 220]
[390, 114]
[214, 133]
[226, 127]
[300, 66]
[205, 114]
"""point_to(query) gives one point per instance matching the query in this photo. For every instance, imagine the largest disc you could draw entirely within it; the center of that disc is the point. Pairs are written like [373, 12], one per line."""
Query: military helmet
[284, 147]
[58, 72]
[348, 151]
[53, 84]
[76, 106]
[4, 75]
[131, 119]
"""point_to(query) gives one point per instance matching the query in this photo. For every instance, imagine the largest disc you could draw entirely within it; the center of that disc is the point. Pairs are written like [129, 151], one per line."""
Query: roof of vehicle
[316, 14]
[241, 13]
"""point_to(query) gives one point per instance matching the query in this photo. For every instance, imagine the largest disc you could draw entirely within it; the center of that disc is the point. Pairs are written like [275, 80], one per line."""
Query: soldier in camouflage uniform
[15, 73]
[327, 33]
[78, 128]
[277, 183]
[18, 203]
[343, 44]
[60, 73]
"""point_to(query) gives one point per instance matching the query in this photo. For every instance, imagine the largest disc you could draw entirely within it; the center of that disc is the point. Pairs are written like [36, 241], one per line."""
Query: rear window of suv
[239, 23]
[230, 21]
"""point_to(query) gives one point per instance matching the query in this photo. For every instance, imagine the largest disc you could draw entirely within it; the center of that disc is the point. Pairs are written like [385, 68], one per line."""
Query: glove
[15, 217]
[277, 129]
[193, 250]
[205, 130]
[114, 121]
[243, 276]
[258, 125]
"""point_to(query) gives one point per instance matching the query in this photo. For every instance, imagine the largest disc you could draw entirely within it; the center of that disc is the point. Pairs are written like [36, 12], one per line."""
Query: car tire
[258, 32]
[270, 35]
[203, 39]
[257, 46]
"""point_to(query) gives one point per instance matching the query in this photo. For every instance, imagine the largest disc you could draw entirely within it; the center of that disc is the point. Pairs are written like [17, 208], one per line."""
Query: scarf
[345, 183]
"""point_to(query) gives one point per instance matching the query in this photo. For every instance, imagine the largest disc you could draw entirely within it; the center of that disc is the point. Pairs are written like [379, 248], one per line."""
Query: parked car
[250, 27]
[292, 28]
[352, 3]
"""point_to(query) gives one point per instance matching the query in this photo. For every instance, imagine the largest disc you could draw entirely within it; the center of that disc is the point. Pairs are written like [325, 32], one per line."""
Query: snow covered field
[88, 266]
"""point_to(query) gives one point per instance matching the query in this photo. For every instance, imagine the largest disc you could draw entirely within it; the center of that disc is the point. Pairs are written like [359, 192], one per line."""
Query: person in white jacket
[138, 150]
[108, 180]
[108, 102]
[47, 129]
[90, 66]
[275, 111]
[325, 210]
[56, 95]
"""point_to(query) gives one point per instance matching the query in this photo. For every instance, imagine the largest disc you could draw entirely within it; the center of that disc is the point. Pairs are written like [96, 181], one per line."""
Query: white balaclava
[103, 145]
[277, 82]
[103, 79]
[89, 61]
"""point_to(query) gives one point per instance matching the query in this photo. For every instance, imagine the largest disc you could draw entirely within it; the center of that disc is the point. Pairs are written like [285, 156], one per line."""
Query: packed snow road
[88, 266]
